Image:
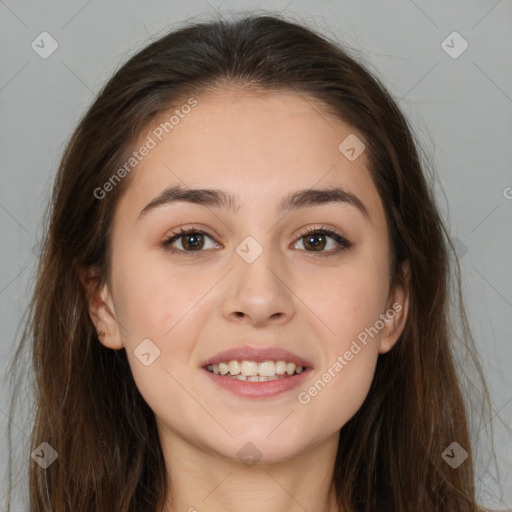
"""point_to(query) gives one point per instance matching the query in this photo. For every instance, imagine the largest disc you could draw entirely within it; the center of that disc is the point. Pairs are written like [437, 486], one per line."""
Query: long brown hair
[88, 407]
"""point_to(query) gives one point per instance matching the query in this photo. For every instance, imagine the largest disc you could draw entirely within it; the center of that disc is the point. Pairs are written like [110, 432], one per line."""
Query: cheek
[351, 308]
[352, 300]
[166, 313]
[152, 297]
[339, 389]
[160, 311]
[163, 304]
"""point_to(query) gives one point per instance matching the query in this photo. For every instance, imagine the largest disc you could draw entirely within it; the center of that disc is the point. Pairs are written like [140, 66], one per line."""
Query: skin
[259, 148]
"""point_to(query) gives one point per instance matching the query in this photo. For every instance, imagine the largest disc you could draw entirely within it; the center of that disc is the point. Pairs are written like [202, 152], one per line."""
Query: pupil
[197, 237]
[317, 245]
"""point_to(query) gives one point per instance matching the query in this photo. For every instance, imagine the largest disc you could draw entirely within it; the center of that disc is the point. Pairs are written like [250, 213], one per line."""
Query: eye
[316, 239]
[191, 240]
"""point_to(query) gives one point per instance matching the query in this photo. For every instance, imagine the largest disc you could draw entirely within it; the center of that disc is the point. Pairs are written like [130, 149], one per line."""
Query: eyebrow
[216, 198]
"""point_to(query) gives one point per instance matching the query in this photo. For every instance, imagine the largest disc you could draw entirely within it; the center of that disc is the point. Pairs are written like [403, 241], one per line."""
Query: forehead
[257, 146]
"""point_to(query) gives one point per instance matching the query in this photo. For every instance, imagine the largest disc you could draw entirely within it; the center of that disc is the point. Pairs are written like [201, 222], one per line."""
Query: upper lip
[257, 354]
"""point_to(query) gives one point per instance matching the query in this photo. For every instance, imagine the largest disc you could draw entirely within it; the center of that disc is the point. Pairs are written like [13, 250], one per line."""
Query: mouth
[257, 372]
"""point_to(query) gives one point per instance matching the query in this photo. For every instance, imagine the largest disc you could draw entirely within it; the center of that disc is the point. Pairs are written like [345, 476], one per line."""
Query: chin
[256, 449]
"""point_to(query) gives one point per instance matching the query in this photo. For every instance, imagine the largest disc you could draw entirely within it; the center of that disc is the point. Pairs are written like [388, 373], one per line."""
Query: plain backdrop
[458, 101]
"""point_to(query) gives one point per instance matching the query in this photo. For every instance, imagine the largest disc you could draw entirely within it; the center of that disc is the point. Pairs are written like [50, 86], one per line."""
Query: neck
[203, 481]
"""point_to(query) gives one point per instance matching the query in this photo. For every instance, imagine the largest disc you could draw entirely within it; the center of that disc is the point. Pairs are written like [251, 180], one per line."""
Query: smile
[253, 371]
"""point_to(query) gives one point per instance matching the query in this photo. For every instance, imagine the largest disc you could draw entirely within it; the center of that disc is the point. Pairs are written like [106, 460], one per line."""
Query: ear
[395, 315]
[101, 309]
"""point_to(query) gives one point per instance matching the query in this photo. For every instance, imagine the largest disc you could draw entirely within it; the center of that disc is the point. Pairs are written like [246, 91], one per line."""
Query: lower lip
[259, 389]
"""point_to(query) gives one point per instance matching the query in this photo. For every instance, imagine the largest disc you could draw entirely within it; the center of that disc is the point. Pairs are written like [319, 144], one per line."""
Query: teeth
[254, 378]
[267, 368]
[280, 367]
[249, 368]
[290, 368]
[234, 367]
[255, 372]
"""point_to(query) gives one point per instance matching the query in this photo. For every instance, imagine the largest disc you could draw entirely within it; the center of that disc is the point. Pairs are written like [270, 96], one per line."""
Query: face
[310, 279]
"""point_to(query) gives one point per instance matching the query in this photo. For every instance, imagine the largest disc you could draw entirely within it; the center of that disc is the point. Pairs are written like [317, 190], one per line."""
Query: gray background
[460, 109]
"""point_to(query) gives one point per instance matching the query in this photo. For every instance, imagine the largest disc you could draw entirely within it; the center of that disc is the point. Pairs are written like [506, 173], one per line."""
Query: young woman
[243, 301]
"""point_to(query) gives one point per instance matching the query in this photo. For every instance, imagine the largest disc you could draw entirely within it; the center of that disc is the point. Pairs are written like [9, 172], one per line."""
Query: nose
[257, 294]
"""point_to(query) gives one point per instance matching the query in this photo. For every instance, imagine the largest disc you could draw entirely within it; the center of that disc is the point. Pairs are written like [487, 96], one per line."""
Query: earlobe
[101, 310]
[397, 311]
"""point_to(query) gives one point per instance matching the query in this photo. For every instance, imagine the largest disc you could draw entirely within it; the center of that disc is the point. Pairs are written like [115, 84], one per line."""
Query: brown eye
[316, 240]
[191, 240]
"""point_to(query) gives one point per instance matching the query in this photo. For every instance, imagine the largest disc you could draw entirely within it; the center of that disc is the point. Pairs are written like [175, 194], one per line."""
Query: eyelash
[343, 243]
